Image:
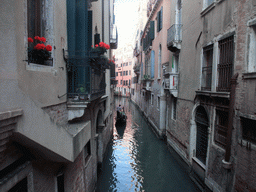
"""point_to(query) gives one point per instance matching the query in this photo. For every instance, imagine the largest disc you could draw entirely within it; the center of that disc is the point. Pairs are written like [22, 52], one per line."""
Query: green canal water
[136, 160]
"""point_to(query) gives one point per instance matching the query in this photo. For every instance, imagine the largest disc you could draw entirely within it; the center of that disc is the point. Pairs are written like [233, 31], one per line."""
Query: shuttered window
[160, 20]
[202, 134]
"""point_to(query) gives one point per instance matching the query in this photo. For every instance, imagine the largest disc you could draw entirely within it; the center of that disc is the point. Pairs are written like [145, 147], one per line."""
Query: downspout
[233, 81]
[102, 19]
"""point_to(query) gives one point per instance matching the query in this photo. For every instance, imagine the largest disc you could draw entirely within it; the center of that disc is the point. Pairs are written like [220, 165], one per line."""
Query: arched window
[202, 125]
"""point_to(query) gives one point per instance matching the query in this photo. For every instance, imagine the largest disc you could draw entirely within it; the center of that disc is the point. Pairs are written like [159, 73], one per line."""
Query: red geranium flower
[39, 46]
[42, 39]
[101, 44]
[30, 40]
[96, 45]
[37, 38]
[48, 48]
[107, 46]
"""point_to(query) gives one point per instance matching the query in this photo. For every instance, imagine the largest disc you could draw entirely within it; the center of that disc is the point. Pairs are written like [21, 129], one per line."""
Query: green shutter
[161, 19]
[89, 29]
[152, 30]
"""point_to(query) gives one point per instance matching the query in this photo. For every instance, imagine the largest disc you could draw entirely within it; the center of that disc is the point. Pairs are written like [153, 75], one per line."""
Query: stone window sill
[199, 162]
[208, 9]
[249, 75]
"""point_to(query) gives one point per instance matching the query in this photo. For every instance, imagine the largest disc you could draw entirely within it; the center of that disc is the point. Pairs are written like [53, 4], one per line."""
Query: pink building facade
[124, 70]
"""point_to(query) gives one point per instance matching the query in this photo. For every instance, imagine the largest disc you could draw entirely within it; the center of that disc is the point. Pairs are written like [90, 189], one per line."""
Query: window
[221, 128]
[60, 183]
[129, 72]
[174, 107]
[132, 91]
[202, 124]
[121, 64]
[120, 73]
[116, 65]
[130, 63]
[124, 90]
[160, 20]
[35, 22]
[207, 68]
[249, 129]
[126, 73]
[152, 99]
[225, 66]
[121, 82]
[87, 151]
[123, 73]
[126, 82]
[129, 82]
[116, 74]
[36, 27]
[208, 3]
[158, 102]
[252, 50]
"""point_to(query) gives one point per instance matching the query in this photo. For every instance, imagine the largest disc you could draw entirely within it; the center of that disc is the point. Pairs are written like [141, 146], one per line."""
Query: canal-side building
[208, 83]
[124, 70]
[154, 54]
[56, 97]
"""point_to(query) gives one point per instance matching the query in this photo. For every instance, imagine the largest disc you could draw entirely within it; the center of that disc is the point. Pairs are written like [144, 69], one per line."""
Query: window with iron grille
[248, 129]
[221, 128]
[87, 150]
[207, 68]
[202, 125]
[225, 66]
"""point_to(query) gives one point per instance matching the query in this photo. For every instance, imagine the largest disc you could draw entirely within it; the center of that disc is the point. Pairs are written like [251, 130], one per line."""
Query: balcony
[86, 81]
[174, 37]
[113, 37]
[136, 51]
[136, 69]
[147, 83]
[171, 82]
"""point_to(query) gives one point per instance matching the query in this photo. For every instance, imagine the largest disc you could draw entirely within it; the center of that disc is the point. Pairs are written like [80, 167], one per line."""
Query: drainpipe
[233, 81]
[103, 12]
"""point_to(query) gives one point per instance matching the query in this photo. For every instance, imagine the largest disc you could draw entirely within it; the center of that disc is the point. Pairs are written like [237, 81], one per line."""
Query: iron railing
[174, 34]
[225, 67]
[86, 80]
[113, 37]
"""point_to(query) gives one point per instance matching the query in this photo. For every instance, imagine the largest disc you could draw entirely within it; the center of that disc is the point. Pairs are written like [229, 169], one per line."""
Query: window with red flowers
[38, 51]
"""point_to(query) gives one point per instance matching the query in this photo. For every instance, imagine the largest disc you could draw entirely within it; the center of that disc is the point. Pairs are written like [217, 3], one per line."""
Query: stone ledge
[10, 114]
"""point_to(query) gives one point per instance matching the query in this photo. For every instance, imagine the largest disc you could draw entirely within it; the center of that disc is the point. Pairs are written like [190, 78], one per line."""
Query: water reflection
[138, 161]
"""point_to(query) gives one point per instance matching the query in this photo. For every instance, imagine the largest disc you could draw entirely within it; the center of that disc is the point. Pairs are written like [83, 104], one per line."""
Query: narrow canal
[137, 160]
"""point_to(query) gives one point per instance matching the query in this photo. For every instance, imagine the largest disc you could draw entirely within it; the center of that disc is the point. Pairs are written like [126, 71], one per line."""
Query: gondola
[120, 118]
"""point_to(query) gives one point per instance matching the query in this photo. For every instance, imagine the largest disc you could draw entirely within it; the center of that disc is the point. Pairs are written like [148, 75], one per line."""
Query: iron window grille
[202, 134]
[225, 66]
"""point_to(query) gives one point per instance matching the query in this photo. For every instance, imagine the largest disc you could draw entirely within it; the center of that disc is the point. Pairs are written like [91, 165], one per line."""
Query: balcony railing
[113, 37]
[86, 80]
[174, 37]
[147, 82]
[136, 68]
